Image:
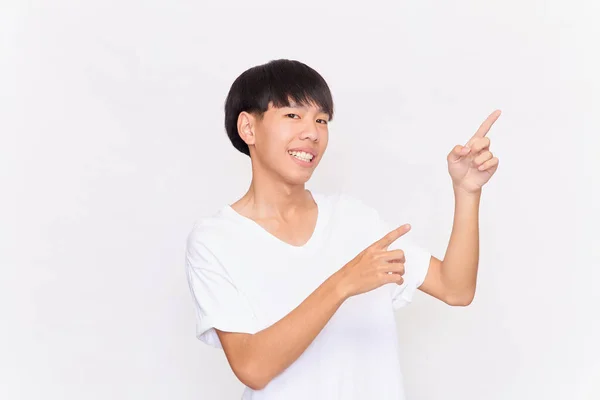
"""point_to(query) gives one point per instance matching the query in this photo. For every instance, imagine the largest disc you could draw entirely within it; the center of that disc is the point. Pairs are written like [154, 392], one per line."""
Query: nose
[310, 132]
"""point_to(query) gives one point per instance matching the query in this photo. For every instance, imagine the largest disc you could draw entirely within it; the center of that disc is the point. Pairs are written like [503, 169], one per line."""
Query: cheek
[273, 138]
[273, 145]
[324, 139]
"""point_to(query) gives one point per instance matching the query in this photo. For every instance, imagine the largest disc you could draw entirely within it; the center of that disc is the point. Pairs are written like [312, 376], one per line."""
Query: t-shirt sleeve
[218, 301]
[416, 265]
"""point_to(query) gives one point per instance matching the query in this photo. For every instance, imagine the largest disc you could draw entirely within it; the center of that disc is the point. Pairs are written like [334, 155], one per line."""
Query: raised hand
[471, 166]
[374, 266]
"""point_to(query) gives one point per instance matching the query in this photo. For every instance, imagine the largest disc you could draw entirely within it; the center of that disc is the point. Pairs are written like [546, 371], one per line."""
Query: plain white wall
[112, 144]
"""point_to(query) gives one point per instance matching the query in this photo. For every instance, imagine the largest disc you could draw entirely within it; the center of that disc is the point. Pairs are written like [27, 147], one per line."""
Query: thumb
[457, 153]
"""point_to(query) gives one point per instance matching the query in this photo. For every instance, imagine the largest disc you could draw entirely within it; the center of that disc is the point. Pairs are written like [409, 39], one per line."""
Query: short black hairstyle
[277, 81]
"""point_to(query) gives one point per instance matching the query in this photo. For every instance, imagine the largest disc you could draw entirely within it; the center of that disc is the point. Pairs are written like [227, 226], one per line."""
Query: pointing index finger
[390, 237]
[485, 126]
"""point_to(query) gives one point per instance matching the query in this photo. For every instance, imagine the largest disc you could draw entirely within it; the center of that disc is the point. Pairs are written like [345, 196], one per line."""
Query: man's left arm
[471, 166]
[453, 279]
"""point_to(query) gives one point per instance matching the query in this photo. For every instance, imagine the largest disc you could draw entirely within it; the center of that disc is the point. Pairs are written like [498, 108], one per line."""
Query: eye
[324, 122]
[287, 115]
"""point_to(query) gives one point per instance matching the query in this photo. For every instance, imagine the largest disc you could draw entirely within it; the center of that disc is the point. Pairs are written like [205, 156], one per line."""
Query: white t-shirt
[244, 279]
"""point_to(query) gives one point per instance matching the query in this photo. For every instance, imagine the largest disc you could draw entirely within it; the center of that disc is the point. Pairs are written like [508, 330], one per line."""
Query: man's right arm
[257, 358]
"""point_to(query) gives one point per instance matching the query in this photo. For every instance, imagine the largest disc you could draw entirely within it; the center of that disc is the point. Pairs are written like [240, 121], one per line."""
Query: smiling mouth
[302, 156]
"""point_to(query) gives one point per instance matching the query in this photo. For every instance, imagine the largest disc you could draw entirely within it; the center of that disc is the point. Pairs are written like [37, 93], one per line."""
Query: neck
[270, 197]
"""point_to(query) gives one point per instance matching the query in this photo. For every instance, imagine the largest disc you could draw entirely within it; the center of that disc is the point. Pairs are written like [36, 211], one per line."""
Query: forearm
[275, 348]
[460, 264]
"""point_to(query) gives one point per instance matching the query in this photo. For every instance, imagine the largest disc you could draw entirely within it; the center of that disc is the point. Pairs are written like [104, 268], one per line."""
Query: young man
[299, 288]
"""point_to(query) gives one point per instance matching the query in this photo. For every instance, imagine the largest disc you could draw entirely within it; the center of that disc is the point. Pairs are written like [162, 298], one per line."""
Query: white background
[112, 144]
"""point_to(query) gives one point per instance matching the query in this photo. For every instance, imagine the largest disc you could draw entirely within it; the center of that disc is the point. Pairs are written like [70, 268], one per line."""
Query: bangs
[297, 85]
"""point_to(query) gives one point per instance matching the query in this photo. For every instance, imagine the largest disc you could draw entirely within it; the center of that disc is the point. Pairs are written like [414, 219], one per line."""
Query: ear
[245, 124]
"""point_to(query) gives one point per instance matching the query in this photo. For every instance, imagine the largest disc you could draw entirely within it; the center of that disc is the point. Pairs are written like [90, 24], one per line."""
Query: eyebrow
[295, 105]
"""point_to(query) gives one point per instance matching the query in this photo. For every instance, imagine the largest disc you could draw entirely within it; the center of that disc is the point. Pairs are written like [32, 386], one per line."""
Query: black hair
[277, 81]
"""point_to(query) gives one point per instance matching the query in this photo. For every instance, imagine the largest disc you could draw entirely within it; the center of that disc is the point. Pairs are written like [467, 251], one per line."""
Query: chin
[299, 180]
[295, 178]
[294, 174]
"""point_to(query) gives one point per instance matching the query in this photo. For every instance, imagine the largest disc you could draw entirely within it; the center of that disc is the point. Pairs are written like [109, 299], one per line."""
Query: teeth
[302, 155]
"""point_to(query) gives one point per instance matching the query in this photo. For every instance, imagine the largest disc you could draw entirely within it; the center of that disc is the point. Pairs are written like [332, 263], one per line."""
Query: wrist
[458, 191]
[337, 287]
